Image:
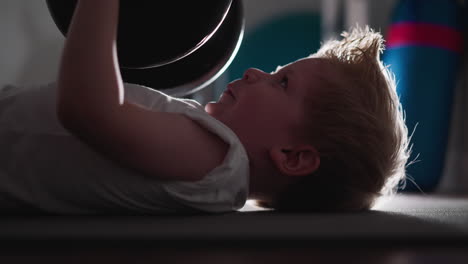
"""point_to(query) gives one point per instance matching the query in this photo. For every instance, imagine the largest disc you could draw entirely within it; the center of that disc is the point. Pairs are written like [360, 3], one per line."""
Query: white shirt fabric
[44, 168]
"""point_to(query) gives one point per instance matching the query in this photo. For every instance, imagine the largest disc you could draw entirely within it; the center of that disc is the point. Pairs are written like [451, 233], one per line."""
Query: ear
[296, 161]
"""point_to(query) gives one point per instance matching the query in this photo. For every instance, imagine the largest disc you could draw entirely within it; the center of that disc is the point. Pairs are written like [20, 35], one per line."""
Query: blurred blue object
[424, 46]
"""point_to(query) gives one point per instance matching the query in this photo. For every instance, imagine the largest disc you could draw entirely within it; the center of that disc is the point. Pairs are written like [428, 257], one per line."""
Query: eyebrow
[287, 71]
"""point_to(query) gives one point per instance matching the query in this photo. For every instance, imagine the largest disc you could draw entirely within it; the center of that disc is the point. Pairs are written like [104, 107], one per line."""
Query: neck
[264, 179]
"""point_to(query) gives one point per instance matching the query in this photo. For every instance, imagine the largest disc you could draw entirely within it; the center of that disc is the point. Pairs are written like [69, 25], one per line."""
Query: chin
[214, 109]
[210, 108]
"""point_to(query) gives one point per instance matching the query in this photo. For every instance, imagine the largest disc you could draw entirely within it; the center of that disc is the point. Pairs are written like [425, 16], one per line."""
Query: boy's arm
[91, 105]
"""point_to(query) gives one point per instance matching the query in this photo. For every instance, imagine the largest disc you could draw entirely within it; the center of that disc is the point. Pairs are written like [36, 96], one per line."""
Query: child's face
[267, 109]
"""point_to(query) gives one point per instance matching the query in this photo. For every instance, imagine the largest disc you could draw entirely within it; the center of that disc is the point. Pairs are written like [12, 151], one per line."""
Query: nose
[253, 75]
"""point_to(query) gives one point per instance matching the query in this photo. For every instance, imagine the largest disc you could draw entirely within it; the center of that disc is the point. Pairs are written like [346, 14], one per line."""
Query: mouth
[230, 93]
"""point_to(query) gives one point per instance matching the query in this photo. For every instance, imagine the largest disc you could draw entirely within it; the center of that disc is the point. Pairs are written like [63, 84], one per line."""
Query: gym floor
[405, 229]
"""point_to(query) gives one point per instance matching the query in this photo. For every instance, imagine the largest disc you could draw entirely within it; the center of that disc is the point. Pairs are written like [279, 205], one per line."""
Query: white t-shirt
[45, 168]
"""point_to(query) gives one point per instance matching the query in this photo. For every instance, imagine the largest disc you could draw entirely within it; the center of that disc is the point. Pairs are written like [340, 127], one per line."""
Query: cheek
[254, 116]
[249, 113]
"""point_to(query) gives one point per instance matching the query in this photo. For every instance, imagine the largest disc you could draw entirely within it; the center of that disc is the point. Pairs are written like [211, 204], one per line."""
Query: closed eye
[284, 82]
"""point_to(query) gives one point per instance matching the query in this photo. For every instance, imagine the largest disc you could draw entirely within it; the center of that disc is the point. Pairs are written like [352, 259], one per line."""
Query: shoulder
[157, 100]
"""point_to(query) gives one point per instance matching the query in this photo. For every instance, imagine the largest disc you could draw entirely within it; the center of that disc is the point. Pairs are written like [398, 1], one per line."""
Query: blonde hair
[357, 124]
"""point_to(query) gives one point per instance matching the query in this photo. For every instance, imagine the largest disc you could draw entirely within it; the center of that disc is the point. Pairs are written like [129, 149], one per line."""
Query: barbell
[175, 47]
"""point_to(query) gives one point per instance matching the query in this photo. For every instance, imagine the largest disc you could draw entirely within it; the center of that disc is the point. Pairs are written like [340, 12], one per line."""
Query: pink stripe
[410, 33]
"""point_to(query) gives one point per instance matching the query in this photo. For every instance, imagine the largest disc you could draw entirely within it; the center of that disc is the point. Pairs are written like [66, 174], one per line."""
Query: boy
[322, 133]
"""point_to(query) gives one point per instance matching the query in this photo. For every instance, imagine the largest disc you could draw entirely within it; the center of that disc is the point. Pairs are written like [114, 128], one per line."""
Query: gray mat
[403, 218]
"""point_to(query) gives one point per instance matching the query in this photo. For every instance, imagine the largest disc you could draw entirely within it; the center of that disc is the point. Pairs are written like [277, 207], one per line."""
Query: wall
[30, 43]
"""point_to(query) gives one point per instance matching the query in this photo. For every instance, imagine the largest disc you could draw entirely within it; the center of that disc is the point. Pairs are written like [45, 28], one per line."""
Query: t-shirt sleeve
[225, 188]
